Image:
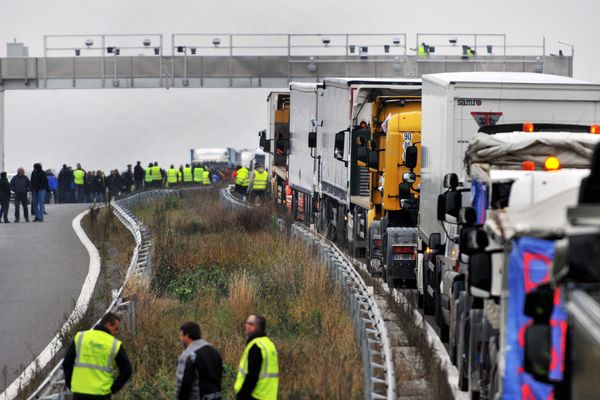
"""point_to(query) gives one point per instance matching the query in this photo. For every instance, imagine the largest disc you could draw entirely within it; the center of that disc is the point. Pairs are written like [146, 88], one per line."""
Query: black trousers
[79, 396]
[4, 204]
[21, 200]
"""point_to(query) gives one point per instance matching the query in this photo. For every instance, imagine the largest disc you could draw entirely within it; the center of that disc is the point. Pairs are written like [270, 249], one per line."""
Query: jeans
[4, 204]
[37, 200]
[98, 197]
[21, 200]
[80, 193]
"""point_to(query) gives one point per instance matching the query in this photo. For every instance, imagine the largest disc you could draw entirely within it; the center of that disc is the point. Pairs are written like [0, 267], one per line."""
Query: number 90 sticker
[407, 135]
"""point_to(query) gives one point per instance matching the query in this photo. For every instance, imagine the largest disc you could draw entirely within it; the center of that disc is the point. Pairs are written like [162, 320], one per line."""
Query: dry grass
[216, 266]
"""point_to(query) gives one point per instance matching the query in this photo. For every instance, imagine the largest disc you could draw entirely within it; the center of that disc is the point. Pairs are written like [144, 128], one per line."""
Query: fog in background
[105, 129]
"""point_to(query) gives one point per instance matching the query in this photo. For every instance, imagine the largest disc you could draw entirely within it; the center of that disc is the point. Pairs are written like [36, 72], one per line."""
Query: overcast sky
[110, 128]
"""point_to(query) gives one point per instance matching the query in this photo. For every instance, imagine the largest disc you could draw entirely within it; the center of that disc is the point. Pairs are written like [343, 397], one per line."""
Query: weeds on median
[216, 266]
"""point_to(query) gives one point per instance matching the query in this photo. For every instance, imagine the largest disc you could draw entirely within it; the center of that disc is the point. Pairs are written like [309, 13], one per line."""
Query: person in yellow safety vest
[93, 358]
[157, 177]
[188, 176]
[422, 50]
[242, 180]
[206, 176]
[148, 180]
[79, 180]
[258, 181]
[198, 175]
[172, 174]
[258, 372]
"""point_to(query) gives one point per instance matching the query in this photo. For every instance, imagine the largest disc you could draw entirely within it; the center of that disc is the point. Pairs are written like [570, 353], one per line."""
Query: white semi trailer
[302, 159]
[455, 106]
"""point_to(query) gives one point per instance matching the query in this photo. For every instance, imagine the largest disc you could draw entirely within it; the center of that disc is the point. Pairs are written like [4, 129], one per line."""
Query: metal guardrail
[53, 387]
[369, 325]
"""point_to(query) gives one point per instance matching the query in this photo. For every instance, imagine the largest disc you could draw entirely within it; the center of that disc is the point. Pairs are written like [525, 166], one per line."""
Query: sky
[106, 129]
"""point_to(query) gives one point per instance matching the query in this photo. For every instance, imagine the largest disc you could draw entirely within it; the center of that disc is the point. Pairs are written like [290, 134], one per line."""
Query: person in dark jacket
[88, 187]
[199, 367]
[65, 179]
[39, 186]
[109, 324]
[4, 197]
[138, 176]
[259, 366]
[113, 183]
[21, 185]
[99, 187]
[127, 180]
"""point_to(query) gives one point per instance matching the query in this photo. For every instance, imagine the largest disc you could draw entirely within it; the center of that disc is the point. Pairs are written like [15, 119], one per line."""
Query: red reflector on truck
[595, 129]
[403, 249]
[377, 243]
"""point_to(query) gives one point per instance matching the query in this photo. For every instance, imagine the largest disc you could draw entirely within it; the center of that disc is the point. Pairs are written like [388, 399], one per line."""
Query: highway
[42, 269]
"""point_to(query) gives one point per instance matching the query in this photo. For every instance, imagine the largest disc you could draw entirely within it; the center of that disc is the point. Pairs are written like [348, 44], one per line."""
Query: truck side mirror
[410, 157]
[441, 207]
[472, 240]
[263, 142]
[538, 356]
[467, 216]
[435, 243]
[539, 303]
[338, 150]
[451, 181]
[453, 203]
[404, 191]
[480, 275]
[312, 140]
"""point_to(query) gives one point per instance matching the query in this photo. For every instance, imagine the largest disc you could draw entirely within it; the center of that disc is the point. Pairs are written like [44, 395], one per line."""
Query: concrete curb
[81, 307]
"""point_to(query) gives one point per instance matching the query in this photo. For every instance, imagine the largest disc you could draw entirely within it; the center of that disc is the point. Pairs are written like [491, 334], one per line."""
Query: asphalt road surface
[42, 269]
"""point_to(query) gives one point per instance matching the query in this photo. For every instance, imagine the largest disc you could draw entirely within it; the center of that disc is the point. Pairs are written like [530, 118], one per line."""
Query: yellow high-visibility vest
[187, 174]
[242, 178]
[156, 174]
[198, 174]
[93, 371]
[79, 176]
[148, 175]
[260, 180]
[206, 177]
[268, 380]
[172, 175]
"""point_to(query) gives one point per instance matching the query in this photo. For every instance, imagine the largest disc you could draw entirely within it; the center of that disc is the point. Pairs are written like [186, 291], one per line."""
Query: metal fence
[369, 325]
[53, 387]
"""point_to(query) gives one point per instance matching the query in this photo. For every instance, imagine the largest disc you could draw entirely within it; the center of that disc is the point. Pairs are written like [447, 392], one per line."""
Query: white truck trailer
[454, 107]
[344, 110]
[302, 159]
[217, 157]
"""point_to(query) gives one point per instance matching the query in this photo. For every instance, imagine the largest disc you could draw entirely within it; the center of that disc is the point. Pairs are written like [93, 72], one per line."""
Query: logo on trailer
[489, 118]
[469, 102]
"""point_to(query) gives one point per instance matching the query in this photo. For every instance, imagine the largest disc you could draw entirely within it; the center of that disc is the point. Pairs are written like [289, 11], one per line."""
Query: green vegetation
[216, 266]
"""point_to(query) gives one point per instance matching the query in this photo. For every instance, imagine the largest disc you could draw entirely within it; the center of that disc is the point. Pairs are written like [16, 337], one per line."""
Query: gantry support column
[1, 130]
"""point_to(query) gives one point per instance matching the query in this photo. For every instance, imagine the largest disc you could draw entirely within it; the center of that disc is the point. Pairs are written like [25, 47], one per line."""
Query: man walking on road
[92, 358]
[199, 367]
[39, 186]
[258, 372]
[20, 185]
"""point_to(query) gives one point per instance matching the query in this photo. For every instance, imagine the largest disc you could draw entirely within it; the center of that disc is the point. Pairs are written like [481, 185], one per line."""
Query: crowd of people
[81, 186]
[199, 370]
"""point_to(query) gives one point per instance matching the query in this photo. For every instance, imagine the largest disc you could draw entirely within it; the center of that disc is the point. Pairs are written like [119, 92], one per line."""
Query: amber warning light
[552, 164]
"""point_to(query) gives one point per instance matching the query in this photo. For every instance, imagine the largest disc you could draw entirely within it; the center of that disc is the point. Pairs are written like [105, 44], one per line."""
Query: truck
[303, 162]
[522, 179]
[249, 157]
[219, 158]
[344, 125]
[575, 279]
[392, 156]
[454, 107]
[275, 141]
